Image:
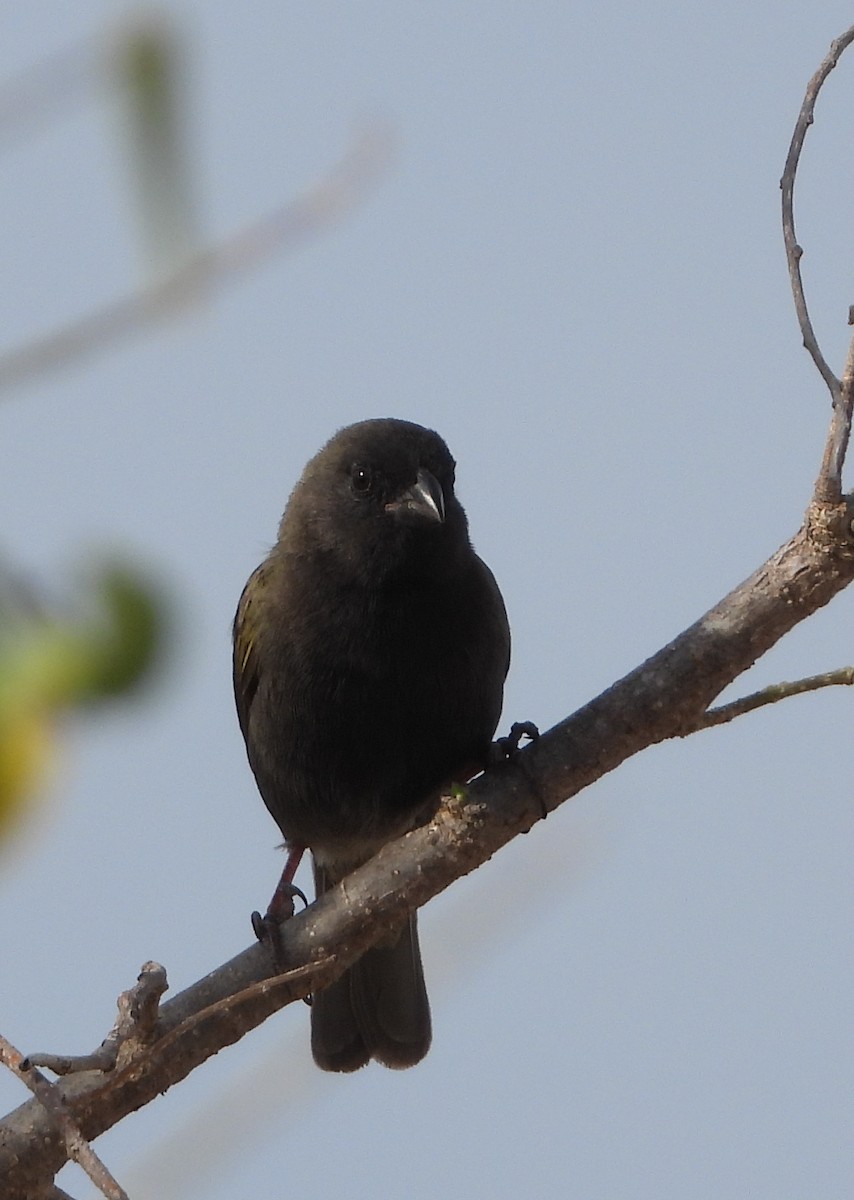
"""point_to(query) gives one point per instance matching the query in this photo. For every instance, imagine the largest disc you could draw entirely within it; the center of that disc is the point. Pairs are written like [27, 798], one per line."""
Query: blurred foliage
[149, 64]
[50, 664]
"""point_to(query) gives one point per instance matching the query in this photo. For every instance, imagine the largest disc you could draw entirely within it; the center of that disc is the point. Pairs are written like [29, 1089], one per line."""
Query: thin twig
[286, 227]
[787, 184]
[136, 1022]
[844, 677]
[317, 973]
[71, 1064]
[51, 1099]
[828, 486]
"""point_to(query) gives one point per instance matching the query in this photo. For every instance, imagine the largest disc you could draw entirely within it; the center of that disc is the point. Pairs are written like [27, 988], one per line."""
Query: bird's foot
[268, 929]
[505, 749]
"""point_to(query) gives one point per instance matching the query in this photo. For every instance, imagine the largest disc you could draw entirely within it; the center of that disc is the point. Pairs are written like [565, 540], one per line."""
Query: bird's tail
[377, 1009]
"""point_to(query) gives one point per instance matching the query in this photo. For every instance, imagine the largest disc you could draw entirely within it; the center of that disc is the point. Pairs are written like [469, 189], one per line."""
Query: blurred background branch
[146, 62]
[49, 664]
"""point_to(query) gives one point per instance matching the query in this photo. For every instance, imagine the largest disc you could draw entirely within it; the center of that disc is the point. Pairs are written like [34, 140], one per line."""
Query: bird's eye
[360, 477]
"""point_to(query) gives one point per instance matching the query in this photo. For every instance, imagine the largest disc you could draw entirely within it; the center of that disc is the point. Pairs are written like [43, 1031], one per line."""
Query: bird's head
[380, 497]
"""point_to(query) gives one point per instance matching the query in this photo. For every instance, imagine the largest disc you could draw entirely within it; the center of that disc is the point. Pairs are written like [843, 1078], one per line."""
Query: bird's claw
[505, 749]
[267, 929]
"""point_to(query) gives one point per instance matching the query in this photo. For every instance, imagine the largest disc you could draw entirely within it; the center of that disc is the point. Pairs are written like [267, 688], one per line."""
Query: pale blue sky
[573, 271]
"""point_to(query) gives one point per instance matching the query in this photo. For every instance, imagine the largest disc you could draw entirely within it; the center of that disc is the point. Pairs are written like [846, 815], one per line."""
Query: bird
[371, 648]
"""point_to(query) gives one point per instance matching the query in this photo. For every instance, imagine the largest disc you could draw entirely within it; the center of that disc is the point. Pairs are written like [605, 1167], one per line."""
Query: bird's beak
[423, 500]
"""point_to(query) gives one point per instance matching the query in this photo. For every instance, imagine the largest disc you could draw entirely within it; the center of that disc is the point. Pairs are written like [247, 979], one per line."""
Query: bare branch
[290, 984]
[284, 228]
[787, 184]
[53, 1103]
[842, 677]
[828, 487]
[136, 1022]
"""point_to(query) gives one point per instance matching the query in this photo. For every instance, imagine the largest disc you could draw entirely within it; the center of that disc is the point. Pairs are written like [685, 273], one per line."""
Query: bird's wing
[495, 617]
[246, 651]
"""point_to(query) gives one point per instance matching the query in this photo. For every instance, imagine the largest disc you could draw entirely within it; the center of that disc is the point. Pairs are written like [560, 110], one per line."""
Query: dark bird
[370, 651]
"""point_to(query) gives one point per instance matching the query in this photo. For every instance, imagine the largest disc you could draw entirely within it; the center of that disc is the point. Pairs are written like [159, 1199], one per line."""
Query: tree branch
[794, 252]
[53, 1103]
[285, 227]
[842, 677]
[139, 1011]
[829, 483]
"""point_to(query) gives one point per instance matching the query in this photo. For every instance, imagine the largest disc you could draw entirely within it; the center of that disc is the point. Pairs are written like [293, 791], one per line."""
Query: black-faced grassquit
[370, 651]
